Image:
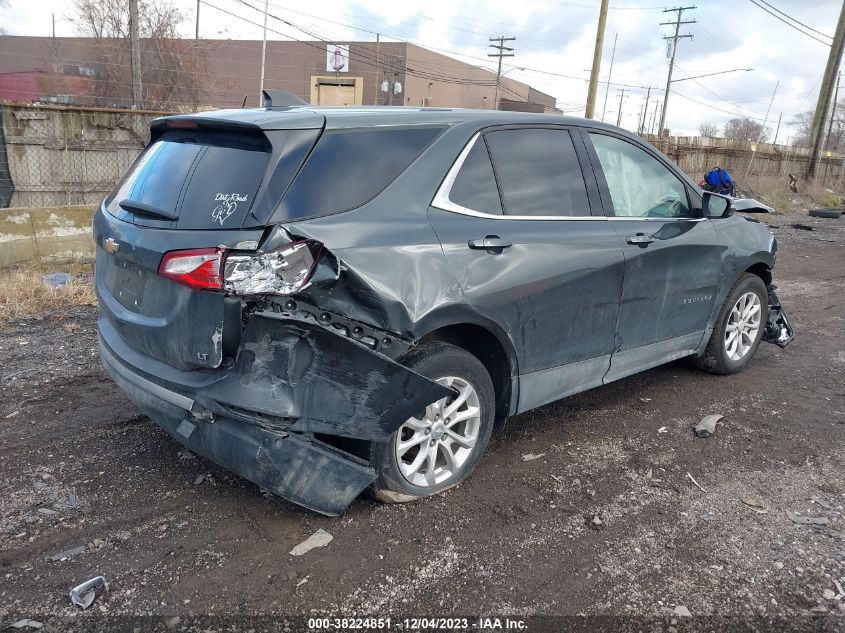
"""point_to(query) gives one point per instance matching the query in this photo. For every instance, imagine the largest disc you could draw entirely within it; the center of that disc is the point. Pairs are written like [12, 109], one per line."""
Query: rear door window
[475, 185]
[206, 179]
[348, 168]
[539, 172]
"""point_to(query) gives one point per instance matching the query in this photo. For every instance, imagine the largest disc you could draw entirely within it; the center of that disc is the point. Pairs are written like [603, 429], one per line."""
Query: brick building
[67, 70]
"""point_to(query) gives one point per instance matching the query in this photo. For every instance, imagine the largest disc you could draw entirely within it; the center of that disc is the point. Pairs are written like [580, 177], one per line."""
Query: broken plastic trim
[778, 328]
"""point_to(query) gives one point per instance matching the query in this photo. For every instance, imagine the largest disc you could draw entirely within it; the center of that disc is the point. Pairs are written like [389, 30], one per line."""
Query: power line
[789, 24]
[786, 15]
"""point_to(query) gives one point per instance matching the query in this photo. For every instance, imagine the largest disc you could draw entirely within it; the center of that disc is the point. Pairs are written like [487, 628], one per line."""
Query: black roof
[335, 117]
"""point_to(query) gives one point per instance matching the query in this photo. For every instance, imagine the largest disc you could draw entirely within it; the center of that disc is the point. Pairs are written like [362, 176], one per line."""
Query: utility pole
[137, 94]
[654, 117]
[621, 99]
[500, 53]
[594, 71]
[609, 75]
[677, 24]
[832, 112]
[263, 56]
[777, 129]
[197, 33]
[834, 59]
[641, 129]
[762, 130]
[378, 69]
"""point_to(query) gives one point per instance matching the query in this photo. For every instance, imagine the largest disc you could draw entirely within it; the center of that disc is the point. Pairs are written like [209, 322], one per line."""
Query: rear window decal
[228, 205]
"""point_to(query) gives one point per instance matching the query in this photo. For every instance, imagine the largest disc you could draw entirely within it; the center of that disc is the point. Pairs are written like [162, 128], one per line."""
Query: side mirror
[716, 205]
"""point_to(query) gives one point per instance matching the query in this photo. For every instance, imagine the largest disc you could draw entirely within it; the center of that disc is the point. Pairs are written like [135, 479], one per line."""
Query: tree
[746, 131]
[171, 68]
[835, 141]
[708, 130]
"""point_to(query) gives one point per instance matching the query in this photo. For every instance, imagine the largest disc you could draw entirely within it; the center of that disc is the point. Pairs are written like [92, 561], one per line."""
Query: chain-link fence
[55, 156]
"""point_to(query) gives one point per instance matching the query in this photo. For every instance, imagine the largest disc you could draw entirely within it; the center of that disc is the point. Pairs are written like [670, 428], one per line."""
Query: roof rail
[279, 98]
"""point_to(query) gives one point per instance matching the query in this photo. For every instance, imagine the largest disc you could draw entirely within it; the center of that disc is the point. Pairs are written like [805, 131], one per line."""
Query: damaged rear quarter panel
[384, 264]
[322, 381]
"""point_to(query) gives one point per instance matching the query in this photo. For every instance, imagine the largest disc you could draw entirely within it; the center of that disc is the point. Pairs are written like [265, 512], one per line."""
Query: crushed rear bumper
[291, 379]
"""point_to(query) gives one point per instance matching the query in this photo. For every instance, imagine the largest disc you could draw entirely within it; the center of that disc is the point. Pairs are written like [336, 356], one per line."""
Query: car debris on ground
[754, 503]
[698, 485]
[68, 553]
[320, 538]
[83, 595]
[530, 457]
[25, 623]
[805, 520]
[707, 426]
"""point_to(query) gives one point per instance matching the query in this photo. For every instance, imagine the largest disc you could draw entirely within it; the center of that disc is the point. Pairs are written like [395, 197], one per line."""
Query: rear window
[538, 172]
[475, 185]
[207, 179]
[349, 168]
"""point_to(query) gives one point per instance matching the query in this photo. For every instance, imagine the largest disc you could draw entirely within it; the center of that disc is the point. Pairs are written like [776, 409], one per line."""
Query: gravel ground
[608, 522]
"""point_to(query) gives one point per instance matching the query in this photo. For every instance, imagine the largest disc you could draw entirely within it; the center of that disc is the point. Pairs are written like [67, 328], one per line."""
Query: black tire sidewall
[749, 283]
[435, 360]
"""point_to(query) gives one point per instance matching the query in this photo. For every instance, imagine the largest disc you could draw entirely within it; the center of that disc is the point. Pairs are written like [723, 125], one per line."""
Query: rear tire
[739, 327]
[432, 452]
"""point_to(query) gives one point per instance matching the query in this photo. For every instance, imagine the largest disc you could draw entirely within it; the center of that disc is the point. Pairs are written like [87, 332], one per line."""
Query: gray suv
[328, 299]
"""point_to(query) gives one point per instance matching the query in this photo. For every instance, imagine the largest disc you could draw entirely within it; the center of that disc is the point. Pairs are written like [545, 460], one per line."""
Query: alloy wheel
[743, 326]
[432, 448]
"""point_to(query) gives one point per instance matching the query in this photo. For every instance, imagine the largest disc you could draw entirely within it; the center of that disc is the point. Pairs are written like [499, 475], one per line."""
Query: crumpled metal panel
[322, 381]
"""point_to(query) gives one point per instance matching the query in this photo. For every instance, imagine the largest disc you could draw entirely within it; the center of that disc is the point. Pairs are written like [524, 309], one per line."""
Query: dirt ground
[85, 474]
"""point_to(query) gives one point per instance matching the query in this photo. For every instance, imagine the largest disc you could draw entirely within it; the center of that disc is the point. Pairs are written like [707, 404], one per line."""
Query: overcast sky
[556, 38]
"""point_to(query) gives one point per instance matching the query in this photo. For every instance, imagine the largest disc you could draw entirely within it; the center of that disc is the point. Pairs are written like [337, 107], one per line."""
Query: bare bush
[708, 130]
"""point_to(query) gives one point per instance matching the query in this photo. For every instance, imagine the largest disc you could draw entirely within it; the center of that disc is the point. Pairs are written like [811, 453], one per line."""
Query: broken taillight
[199, 268]
[283, 271]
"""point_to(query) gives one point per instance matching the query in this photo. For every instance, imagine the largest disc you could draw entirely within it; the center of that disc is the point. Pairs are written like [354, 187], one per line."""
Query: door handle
[640, 239]
[489, 243]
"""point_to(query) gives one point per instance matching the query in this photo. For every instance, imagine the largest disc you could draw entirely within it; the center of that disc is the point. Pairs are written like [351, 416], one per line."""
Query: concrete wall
[54, 155]
[51, 233]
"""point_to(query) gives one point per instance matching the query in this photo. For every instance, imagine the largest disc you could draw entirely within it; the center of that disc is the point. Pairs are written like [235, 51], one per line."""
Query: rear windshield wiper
[142, 208]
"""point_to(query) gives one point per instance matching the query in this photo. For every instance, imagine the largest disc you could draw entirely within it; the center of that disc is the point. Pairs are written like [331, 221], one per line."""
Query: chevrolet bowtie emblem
[111, 245]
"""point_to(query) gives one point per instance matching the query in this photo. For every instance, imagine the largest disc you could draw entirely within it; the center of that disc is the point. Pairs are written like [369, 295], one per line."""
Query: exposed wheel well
[482, 344]
[762, 271]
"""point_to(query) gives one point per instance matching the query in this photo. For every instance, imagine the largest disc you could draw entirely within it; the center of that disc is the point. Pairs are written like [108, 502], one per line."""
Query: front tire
[439, 447]
[739, 328]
